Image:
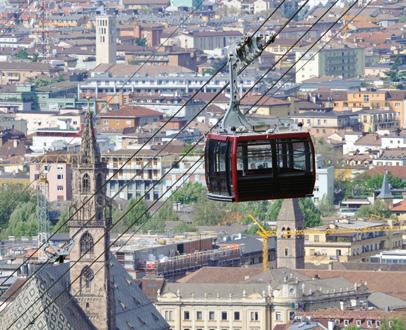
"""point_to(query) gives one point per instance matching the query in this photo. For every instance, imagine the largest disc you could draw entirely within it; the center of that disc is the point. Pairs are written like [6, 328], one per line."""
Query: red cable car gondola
[243, 165]
[259, 166]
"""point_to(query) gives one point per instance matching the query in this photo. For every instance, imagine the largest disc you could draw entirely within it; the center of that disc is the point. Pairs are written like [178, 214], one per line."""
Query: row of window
[223, 316]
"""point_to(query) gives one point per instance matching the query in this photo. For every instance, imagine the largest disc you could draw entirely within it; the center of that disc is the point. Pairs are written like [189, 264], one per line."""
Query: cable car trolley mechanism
[246, 160]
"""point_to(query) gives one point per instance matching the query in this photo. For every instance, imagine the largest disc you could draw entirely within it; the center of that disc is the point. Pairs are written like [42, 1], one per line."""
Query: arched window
[85, 184]
[86, 244]
[86, 278]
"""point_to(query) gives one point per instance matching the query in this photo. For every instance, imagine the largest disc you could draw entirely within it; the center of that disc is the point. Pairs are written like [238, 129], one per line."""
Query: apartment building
[372, 121]
[336, 62]
[357, 245]
[141, 175]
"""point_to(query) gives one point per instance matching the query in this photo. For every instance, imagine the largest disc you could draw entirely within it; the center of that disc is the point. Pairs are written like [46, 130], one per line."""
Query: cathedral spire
[89, 150]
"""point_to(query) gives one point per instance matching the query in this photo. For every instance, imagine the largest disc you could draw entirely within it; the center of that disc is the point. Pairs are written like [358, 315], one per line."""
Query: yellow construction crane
[265, 234]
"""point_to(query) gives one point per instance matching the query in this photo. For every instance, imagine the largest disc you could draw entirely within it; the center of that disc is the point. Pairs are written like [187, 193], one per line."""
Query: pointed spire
[290, 211]
[89, 149]
[385, 192]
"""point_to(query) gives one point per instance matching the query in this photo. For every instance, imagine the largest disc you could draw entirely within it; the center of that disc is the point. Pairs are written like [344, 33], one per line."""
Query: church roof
[89, 149]
[133, 309]
[290, 210]
[385, 192]
[63, 313]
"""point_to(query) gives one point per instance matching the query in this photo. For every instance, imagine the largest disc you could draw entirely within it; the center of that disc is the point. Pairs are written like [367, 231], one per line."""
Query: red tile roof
[128, 111]
[399, 207]
[398, 171]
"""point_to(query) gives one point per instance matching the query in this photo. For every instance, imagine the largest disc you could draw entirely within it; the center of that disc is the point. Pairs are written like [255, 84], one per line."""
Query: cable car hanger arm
[246, 51]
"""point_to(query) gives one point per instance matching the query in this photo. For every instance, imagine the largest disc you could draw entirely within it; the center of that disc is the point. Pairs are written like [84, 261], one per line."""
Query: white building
[106, 40]
[389, 257]
[324, 185]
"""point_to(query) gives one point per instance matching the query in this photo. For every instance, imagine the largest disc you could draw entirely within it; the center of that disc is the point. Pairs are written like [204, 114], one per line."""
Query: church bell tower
[89, 230]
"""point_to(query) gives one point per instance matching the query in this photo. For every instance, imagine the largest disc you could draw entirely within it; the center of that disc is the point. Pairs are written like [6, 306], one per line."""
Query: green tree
[141, 42]
[166, 213]
[273, 210]
[378, 210]
[137, 214]
[183, 227]
[189, 193]
[326, 207]
[394, 324]
[312, 215]
[23, 220]
[22, 54]
[10, 196]
[62, 226]
[208, 213]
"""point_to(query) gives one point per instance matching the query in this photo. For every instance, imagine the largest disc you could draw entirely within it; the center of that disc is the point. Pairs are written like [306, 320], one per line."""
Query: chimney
[342, 305]
[15, 143]
[330, 325]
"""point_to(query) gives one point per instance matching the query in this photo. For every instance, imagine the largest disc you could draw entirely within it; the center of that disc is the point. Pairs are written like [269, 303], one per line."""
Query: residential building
[58, 174]
[54, 138]
[323, 124]
[372, 121]
[227, 298]
[142, 175]
[106, 43]
[209, 40]
[391, 157]
[336, 62]
[354, 241]
[127, 116]
[21, 72]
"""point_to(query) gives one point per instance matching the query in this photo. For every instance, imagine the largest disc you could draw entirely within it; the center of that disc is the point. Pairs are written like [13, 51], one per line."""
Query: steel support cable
[131, 157]
[151, 189]
[132, 235]
[126, 213]
[306, 52]
[380, 229]
[319, 50]
[98, 257]
[122, 86]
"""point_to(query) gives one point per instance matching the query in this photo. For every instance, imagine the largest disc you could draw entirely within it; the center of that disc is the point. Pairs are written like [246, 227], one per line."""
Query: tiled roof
[397, 171]
[399, 207]
[369, 140]
[132, 112]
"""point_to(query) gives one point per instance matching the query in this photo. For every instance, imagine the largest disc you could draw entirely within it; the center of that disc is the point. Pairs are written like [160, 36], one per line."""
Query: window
[199, 315]
[254, 316]
[168, 315]
[236, 316]
[211, 316]
[369, 323]
[186, 315]
[358, 323]
[59, 188]
[86, 183]
[224, 316]
[278, 316]
[86, 278]
[346, 323]
[59, 176]
[286, 252]
[377, 323]
[86, 244]
[316, 238]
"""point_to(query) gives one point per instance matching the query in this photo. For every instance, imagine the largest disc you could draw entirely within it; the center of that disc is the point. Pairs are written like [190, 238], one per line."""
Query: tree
[273, 210]
[23, 220]
[189, 193]
[326, 207]
[141, 42]
[208, 213]
[22, 54]
[378, 210]
[183, 227]
[62, 226]
[137, 214]
[10, 196]
[166, 213]
[312, 215]
[394, 324]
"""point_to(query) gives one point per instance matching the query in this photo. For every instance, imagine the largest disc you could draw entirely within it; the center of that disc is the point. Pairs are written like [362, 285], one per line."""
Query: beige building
[233, 298]
[363, 241]
[106, 40]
